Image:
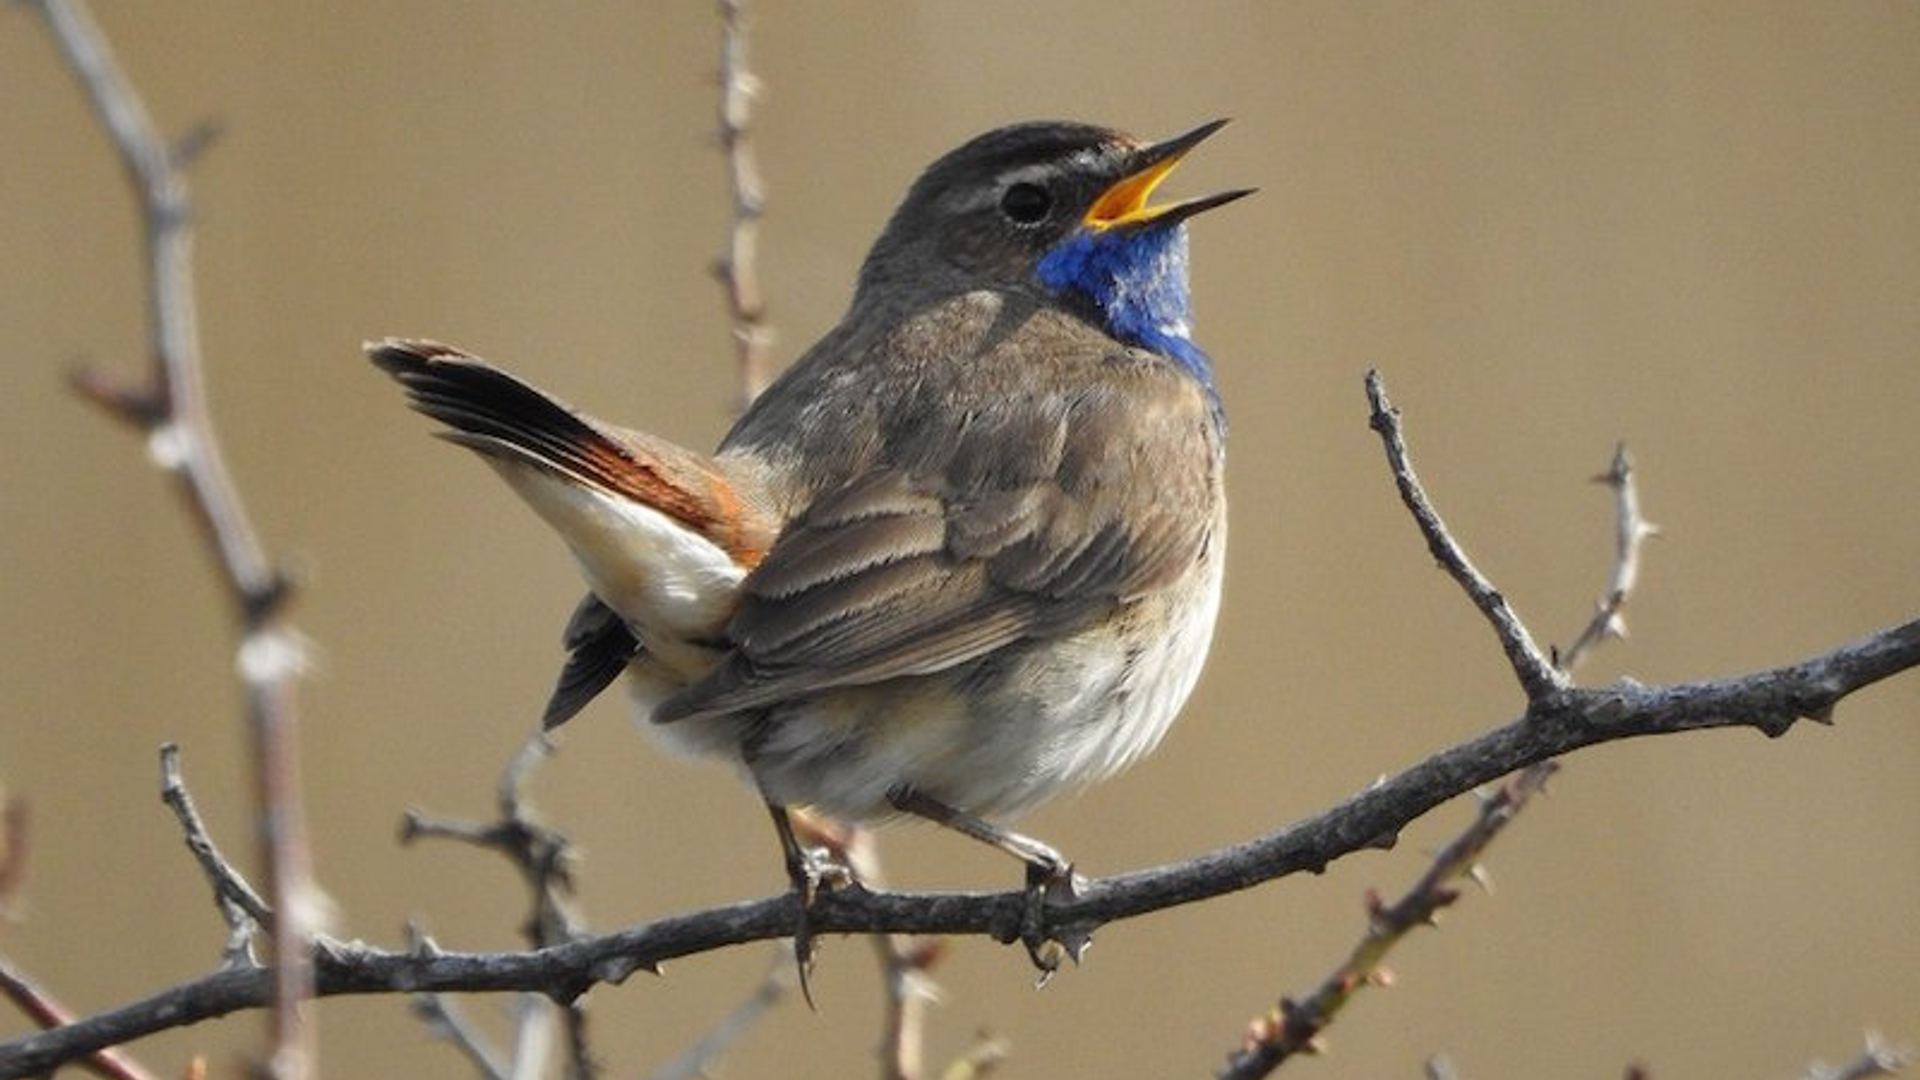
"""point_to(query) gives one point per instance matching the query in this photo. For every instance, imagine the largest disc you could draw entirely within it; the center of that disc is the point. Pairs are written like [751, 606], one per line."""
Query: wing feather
[1101, 499]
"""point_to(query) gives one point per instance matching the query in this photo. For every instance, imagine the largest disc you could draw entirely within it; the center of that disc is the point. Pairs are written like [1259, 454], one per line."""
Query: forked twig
[1538, 677]
[171, 410]
[1295, 1026]
[544, 857]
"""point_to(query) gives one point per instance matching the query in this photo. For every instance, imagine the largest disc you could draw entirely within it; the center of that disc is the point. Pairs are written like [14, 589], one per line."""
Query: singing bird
[964, 555]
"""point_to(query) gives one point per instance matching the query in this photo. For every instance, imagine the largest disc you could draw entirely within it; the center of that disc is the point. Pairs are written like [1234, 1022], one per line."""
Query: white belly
[1001, 735]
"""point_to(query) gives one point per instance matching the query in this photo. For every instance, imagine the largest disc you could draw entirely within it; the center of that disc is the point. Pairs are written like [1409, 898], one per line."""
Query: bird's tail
[663, 534]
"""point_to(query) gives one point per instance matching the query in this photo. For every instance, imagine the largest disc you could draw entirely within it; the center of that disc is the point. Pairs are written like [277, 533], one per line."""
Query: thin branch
[533, 1036]
[906, 967]
[239, 904]
[1875, 1059]
[1537, 675]
[543, 856]
[445, 1020]
[1631, 531]
[15, 841]
[738, 269]
[1769, 701]
[42, 1009]
[980, 1059]
[172, 411]
[698, 1060]
[1295, 1026]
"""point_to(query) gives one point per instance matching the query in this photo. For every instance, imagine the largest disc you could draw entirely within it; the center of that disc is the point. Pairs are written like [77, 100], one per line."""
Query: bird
[963, 555]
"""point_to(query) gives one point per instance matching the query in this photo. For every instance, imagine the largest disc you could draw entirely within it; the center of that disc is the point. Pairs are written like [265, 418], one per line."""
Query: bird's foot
[810, 869]
[815, 868]
[1050, 877]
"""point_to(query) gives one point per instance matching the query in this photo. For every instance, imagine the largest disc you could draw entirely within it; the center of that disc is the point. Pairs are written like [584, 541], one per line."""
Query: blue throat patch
[1137, 277]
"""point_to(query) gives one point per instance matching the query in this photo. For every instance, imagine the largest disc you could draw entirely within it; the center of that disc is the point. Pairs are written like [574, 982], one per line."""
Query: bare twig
[1875, 1059]
[14, 839]
[42, 1009]
[737, 270]
[445, 1020]
[172, 411]
[906, 965]
[698, 1060]
[1294, 1026]
[906, 961]
[1537, 675]
[980, 1059]
[543, 856]
[239, 904]
[1631, 531]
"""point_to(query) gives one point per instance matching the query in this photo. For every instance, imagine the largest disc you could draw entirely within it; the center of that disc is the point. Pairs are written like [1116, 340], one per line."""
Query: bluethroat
[962, 556]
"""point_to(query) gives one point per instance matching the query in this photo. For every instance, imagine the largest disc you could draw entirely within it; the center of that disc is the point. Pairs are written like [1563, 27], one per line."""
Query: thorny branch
[1630, 533]
[738, 269]
[544, 857]
[1769, 701]
[1875, 1059]
[1294, 1026]
[171, 410]
[239, 904]
[1537, 675]
[42, 1009]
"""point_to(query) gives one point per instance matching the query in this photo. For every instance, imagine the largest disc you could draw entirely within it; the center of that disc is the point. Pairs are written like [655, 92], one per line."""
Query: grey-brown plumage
[963, 554]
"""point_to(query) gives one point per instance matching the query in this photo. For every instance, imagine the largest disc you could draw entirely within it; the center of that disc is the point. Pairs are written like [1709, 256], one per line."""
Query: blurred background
[1690, 225]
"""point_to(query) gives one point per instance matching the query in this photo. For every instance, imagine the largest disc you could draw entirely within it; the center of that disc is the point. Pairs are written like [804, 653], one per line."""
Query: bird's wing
[599, 644]
[1034, 516]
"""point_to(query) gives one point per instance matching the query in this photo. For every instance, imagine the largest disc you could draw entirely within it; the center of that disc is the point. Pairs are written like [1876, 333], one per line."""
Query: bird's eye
[1026, 204]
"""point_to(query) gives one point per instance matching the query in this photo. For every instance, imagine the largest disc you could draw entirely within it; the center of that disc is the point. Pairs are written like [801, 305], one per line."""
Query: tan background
[1692, 225]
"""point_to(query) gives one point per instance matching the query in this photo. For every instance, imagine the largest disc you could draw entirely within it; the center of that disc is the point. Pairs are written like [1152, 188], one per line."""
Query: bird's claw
[1052, 880]
[814, 869]
[817, 869]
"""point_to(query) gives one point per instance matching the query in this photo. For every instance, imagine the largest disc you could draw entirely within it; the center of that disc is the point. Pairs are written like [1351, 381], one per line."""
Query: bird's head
[1063, 208]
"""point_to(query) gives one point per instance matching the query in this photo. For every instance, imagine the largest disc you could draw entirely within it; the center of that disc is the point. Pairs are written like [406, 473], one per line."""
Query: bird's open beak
[1124, 204]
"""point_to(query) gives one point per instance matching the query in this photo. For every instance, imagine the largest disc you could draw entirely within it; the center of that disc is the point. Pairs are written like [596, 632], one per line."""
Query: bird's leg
[1049, 876]
[808, 868]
